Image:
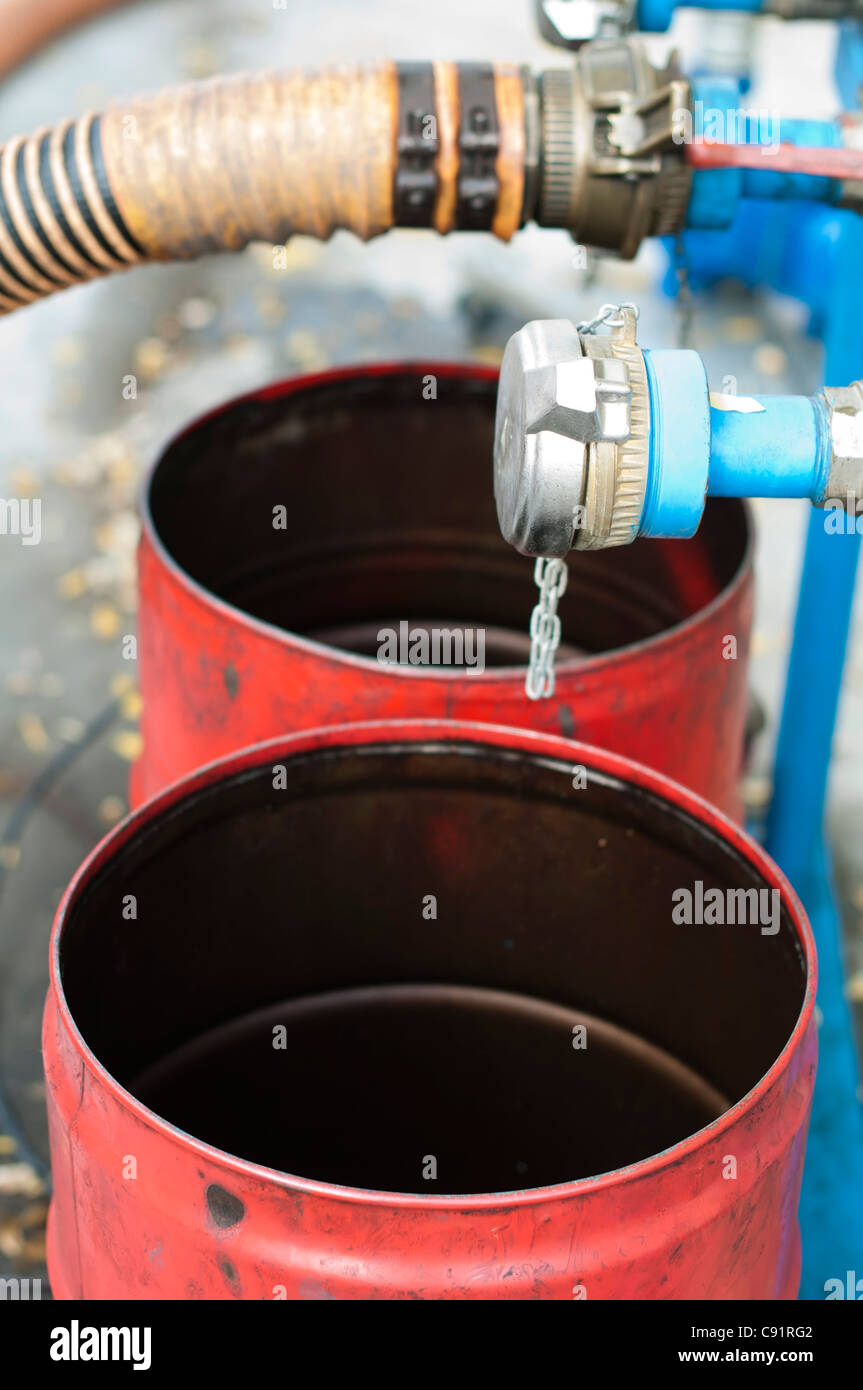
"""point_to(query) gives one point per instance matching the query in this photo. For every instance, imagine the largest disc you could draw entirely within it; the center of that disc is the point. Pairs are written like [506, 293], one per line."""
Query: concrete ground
[195, 335]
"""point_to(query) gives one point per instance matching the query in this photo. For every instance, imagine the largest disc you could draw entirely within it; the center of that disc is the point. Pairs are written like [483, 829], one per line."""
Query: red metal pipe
[26, 27]
[247, 894]
[826, 162]
[245, 633]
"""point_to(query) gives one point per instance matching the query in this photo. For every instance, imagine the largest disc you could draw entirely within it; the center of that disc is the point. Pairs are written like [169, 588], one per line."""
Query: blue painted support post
[831, 1210]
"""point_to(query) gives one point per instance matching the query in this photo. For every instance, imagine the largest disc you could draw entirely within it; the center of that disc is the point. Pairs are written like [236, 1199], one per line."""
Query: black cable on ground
[21, 813]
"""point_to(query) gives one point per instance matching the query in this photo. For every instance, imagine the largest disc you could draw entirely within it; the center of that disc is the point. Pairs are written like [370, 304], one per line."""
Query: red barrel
[301, 999]
[285, 532]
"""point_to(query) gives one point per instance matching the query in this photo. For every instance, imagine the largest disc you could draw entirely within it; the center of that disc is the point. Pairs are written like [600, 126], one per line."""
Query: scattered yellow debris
[19, 683]
[72, 584]
[117, 534]
[741, 328]
[405, 307]
[128, 744]
[23, 482]
[68, 352]
[756, 791]
[854, 987]
[196, 313]
[131, 705]
[151, 358]
[202, 60]
[489, 353]
[20, 1180]
[271, 308]
[105, 621]
[33, 733]
[121, 684]
[306, 351]
[237, 343]
[70, 729]
[770, 359]
[22, 1237]
[111, 809]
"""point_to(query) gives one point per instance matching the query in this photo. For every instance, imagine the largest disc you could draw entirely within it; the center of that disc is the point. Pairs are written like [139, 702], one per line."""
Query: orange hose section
[215, 165]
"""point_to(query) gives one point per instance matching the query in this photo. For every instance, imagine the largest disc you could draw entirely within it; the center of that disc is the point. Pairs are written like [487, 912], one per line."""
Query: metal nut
[846, 437]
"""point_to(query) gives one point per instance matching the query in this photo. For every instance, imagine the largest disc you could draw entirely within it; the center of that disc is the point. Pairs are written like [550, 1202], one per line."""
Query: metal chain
[607, 314]
[551, 578]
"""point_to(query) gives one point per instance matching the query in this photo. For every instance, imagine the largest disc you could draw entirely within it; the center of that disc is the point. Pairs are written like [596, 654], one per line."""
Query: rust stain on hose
[216, 165]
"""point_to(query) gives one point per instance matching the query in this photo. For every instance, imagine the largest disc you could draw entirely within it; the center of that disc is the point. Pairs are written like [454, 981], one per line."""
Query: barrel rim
[499, 676]
[418, 731]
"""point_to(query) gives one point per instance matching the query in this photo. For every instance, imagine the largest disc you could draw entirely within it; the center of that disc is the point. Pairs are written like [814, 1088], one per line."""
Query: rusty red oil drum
[301, 999]
[283, 533]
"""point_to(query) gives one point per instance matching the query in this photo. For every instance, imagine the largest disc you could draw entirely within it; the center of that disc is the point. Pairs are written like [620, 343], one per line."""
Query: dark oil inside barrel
[430, 1089]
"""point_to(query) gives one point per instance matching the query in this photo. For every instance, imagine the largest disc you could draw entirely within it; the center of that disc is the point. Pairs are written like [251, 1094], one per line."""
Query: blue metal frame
[831, 1211]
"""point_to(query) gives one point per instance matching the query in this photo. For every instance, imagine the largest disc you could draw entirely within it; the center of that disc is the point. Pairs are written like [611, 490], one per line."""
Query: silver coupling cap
[571, 435]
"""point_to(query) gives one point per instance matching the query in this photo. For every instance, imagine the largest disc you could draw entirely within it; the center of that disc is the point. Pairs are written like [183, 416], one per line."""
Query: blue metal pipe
[823, 615]
[781, 449]
[655, 16]
[831, 1210]
[704, 445]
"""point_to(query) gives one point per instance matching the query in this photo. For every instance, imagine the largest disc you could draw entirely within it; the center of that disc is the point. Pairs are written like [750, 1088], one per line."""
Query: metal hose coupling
[214, 166]
[571, 450]
[598, 441]
[612, 172]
